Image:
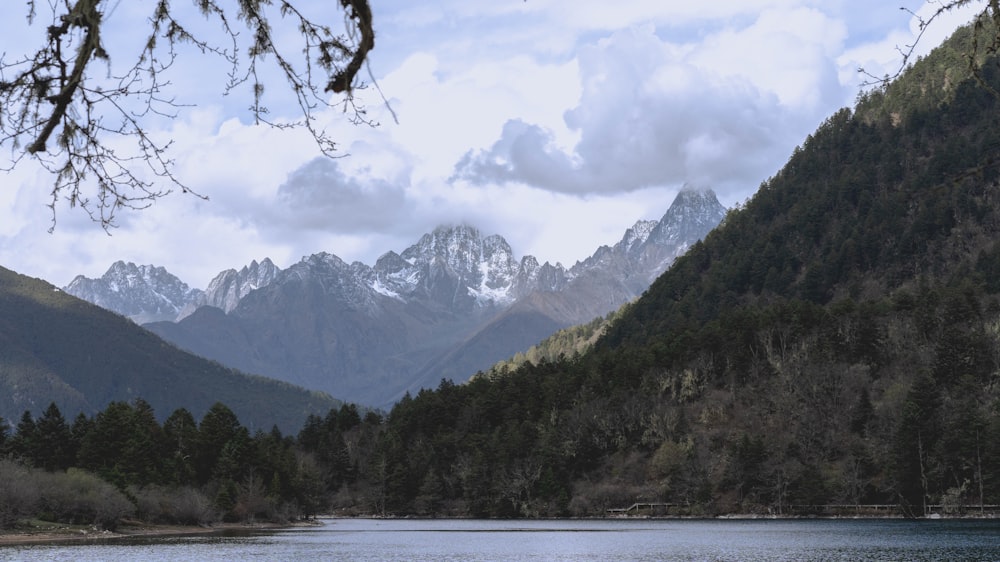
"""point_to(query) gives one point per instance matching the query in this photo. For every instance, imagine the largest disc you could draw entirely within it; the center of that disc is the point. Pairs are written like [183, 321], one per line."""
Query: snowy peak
[326, 276]
[636, 236]
[228, 287]
[694, 212]
[454, 266]
[459, 248]
[144, 293]
[692, 215]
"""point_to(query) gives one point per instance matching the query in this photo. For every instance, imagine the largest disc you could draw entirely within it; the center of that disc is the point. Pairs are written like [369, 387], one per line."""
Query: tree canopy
[84, 117]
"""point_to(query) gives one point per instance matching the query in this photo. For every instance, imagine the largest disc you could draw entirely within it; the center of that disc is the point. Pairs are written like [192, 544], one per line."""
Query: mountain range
[452, 304]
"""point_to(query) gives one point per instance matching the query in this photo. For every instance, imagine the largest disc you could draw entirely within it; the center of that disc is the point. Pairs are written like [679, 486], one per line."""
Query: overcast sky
[554, 123]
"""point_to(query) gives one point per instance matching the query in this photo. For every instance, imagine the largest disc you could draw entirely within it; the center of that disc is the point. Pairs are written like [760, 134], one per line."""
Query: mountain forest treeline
[124, 464]
[834, 344]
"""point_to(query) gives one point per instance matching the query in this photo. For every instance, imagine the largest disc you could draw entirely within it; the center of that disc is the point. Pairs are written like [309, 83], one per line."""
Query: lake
[558, 540]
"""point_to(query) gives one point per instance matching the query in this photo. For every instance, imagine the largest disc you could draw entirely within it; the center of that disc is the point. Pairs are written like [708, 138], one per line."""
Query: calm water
[571, 540]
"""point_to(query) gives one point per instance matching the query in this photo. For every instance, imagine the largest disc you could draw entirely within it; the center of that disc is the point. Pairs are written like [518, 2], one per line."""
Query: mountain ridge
[489, 270]
[454, 293]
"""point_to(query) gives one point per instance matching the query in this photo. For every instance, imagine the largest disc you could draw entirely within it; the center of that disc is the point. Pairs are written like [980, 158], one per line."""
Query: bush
[183, 506]
[78, 497]
[191, 507]
[19, 495]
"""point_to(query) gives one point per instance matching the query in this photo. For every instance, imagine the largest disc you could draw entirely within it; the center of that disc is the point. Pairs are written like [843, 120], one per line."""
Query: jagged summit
[228, 287]
[454, 302]
[636, 236]
[694, 210]
[455, 267]
[144, 293]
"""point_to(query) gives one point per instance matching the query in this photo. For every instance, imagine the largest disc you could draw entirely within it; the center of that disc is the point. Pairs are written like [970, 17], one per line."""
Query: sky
[555, 123]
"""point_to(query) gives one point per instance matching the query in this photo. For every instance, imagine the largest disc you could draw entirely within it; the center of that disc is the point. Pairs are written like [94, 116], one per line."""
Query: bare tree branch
[54, 109]
[985, 39]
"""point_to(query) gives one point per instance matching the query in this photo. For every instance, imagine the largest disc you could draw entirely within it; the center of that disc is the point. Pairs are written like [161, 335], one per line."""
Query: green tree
[221, 442]
[125, 445]
[55, 446]
[919, 432]
[146, 447]
[24, 444]
[180, 434]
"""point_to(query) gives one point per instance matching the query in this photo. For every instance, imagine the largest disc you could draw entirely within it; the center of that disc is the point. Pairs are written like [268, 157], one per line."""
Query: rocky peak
[636, 236]
[458, 247]
[694, 212]
[454, 266]
[144, 293]
[228, 287]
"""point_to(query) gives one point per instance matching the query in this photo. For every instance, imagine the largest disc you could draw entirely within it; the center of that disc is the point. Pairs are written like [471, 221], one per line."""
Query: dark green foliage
[55, 448]
[181, 439]
[181, 472]
[124, 446]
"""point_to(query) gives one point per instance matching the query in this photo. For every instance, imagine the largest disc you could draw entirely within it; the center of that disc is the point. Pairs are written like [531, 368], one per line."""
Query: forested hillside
[835, 341]
[57, 348]
[565, 343]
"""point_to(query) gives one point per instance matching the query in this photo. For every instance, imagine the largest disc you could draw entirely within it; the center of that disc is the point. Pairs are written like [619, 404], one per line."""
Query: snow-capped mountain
[453, 303]
[454, 266]
[228, 287]
[144, 293]
[692, 215]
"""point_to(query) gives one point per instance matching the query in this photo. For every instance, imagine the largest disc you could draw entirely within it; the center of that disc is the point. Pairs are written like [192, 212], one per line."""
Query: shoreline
[57, 533]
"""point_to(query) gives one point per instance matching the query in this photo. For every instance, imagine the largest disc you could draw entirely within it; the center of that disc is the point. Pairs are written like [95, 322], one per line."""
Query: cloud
[647, 117]
[320, 196]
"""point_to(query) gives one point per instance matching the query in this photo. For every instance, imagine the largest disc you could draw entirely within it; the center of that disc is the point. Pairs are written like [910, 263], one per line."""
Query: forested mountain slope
[836, 341]
[57, 348]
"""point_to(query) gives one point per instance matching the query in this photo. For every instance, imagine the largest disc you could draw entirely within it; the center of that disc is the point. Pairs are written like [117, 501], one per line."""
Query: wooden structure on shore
[643, 508]
[663, 509]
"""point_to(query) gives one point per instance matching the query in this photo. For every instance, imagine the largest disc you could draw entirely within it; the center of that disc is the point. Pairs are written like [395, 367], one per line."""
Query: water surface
[562, 540]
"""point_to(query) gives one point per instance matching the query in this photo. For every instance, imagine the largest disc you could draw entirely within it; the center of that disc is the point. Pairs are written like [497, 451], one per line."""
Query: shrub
[19, 495]
[77, 496]
[183, 505]
[191, 507]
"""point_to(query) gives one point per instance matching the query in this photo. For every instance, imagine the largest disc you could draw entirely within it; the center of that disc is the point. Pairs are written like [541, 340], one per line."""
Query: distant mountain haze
[453, 303]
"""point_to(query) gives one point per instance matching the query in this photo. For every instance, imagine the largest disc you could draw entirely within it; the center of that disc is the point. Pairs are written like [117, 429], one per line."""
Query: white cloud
[649, 115]
[320, 196]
